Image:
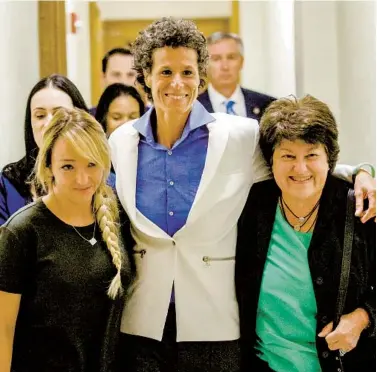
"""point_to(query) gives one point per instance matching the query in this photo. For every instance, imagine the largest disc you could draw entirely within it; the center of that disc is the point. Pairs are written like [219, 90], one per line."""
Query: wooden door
[235, 17]
[122, 33]
[52, 38]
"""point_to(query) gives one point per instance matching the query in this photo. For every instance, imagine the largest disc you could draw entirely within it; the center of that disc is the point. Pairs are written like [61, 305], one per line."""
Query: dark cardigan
[324, 255]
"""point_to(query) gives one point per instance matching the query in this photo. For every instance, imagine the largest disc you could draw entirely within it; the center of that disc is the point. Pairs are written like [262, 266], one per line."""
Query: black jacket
[324, 255]
[255, 102]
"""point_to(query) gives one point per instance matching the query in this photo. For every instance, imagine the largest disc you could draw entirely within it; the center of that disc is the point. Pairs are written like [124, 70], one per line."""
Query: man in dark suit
[224, 94]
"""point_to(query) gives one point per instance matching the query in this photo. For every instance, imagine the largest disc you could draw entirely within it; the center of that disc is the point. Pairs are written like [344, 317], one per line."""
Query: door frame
[52, 38]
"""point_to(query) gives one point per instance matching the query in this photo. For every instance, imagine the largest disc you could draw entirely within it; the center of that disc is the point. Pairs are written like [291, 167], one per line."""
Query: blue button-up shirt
[168, 179]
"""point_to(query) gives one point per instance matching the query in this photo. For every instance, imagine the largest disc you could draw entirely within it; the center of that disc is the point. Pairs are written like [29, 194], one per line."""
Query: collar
[216, 96]
[198, 117]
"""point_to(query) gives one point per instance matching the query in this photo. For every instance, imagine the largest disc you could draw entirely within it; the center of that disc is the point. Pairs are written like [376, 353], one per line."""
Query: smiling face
[121, 110]
[43, 105]
[174, 79]
[76, 179]
[300, 169]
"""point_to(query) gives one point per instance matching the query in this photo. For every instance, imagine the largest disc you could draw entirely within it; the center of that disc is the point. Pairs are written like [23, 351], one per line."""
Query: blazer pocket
[139, 252]
[139, 260]
[209, 260]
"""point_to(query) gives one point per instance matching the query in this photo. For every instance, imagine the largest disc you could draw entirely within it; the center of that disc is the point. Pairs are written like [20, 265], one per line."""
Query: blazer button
[319, 280]
[324, 320]
[325, 354]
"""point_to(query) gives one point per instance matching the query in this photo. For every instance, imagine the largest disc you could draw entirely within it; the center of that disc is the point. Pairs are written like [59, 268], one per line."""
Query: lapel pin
[256, 110]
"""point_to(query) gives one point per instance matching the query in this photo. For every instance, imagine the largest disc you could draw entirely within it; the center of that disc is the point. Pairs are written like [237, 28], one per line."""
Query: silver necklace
[93, 240]
[301, 220]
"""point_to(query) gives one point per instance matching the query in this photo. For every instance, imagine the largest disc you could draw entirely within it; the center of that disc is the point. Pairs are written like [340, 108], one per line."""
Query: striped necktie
[229, 108]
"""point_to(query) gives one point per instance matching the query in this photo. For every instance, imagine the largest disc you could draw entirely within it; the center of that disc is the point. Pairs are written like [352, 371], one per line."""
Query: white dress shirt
[218, 101]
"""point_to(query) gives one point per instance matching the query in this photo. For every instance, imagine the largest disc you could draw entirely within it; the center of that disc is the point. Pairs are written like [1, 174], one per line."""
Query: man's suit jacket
[255, 102]
[199, 258]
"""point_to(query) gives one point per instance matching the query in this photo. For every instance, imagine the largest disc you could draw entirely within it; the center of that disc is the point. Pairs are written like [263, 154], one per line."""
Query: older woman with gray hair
[183, 176]
[289, 257]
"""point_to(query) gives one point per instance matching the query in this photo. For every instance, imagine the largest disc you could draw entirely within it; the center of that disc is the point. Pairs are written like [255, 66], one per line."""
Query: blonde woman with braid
[62, 270]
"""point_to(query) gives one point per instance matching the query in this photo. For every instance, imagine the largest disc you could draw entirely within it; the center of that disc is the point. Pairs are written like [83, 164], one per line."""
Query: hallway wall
[19, 71]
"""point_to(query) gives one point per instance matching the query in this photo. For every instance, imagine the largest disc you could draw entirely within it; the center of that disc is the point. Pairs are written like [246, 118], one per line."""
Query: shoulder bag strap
[346, 261]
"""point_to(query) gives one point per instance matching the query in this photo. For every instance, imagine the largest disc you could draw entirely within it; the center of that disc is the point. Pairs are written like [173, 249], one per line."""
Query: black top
[64, 316]
[324, 258]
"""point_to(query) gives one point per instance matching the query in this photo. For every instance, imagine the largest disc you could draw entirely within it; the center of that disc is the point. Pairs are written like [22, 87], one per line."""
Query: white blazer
[199, 258]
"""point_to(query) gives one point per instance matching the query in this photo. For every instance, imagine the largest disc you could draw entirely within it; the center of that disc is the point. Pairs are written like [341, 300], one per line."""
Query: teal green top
[286, 324]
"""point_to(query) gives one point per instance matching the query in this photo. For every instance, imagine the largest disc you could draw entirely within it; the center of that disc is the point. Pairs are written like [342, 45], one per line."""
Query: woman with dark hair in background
[118, 104]
[48, 95]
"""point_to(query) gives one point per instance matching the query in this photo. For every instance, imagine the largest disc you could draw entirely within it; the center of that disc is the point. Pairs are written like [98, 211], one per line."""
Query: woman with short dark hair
[289, 252]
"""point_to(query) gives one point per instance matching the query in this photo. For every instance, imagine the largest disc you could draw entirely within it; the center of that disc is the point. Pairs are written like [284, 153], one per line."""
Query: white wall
[78, 48]
[357, 80]
[336, 62]
[253, 29]
[267, 29]
[280, 48]
[19, 72]
[113, 10]
[317, 61]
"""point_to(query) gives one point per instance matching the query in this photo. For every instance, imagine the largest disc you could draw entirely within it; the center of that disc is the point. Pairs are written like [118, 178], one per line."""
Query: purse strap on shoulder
[346, 258]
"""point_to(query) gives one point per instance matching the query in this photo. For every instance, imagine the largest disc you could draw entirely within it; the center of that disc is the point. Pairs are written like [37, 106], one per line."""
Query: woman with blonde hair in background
[62, 269]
